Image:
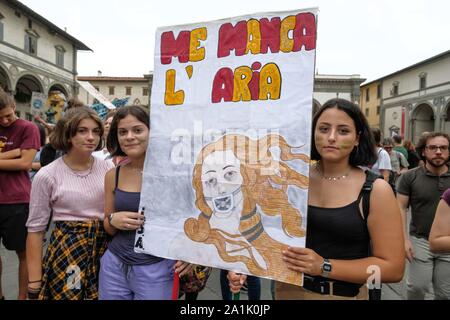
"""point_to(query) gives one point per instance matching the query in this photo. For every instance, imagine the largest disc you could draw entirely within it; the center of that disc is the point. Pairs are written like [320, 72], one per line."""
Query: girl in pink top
[70, 188]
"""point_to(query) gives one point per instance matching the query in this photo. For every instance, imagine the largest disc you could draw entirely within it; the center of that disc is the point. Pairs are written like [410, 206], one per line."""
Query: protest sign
[227, 166]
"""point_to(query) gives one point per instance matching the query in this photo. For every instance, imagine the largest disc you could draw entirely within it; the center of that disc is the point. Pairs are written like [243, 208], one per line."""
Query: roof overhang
[52, 27]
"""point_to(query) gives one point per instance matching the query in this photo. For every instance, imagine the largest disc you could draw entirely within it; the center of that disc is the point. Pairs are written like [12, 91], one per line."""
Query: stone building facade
[35, 55]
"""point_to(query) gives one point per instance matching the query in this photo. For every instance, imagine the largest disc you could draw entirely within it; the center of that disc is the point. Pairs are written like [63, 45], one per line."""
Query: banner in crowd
[226, 173]
[50, 106]
[96, 94]
[38, 101]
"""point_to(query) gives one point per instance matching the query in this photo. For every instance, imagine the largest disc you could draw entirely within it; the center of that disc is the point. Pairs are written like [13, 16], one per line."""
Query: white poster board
[38, 101]
[227, 166]
[96, 94]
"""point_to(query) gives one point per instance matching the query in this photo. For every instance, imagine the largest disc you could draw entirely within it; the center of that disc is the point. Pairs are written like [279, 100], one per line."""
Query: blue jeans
[253, 283]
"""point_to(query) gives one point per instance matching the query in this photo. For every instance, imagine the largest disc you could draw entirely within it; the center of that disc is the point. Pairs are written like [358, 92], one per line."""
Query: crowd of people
[90, 254]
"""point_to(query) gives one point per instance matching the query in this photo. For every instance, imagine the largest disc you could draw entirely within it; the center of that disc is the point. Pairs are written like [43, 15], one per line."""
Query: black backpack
[49, 154]
[374, 294]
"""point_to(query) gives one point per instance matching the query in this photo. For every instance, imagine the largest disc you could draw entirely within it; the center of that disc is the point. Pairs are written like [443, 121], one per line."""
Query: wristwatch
[326, 268]
[110, 217]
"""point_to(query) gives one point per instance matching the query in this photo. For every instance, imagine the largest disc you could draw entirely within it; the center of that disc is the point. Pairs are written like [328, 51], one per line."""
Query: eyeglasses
[435, 148]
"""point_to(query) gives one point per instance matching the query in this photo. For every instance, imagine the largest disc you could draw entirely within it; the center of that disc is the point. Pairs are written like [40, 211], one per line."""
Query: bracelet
[35, 281]
[30, 289]
[33, 294]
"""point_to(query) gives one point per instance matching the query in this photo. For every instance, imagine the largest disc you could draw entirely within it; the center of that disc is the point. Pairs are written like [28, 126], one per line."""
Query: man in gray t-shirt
[421, 188]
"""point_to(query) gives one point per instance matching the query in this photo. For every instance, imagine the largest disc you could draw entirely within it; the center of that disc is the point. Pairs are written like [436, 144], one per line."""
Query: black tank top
[338, 233]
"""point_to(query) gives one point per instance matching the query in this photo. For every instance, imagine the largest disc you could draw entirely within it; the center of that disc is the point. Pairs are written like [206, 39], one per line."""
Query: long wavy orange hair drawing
[260, 174]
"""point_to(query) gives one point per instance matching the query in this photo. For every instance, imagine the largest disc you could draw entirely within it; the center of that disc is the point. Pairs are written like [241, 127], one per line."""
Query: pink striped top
[73, 196]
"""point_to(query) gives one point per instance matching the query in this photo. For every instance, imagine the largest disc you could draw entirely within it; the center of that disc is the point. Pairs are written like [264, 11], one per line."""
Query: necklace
[82, 175]
[141, 171]
[331, 178]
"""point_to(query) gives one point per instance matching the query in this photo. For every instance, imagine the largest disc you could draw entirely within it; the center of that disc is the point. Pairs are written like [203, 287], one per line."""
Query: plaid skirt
[72, 261]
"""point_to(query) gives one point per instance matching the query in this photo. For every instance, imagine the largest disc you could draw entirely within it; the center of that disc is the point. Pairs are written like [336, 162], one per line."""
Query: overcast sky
[367, 37]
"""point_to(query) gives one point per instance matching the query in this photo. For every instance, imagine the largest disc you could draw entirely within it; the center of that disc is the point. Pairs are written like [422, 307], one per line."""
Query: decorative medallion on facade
[395, 115]
[45, 81]
[13, 70]
[439, 101]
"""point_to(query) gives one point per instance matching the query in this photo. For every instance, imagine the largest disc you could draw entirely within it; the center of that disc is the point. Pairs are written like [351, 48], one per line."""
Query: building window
[60, 56]
[31, 44]
[367, 95]
[379, 91]
[423, 81]
[395, 89]
[367, 112]
[378, 110]
[128, 91]
[1, 30]
[145, 91]
[111, 91]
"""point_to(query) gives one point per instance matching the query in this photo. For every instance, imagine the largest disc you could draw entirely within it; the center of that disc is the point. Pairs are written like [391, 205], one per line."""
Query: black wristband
[33, 293]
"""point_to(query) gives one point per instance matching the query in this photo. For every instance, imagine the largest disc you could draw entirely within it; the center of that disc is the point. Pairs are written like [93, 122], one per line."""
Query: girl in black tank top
[344, 247]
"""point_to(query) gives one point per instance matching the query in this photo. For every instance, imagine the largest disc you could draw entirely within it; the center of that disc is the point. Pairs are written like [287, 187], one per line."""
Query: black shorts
[13, 232]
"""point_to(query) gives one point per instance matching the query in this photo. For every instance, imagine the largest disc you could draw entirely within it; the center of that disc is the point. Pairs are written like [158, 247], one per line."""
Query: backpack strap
[116, 178]
[366, 190]
[374, 294]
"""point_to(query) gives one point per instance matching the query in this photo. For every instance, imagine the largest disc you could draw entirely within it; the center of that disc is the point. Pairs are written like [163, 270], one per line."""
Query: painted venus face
[222, 181]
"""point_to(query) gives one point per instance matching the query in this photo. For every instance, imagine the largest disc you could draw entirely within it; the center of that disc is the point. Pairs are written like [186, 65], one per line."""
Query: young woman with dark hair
[125, 274]
[104, 153]
[343, 247]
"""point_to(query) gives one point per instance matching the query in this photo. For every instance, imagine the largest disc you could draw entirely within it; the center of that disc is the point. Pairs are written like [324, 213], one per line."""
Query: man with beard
[422, 188]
